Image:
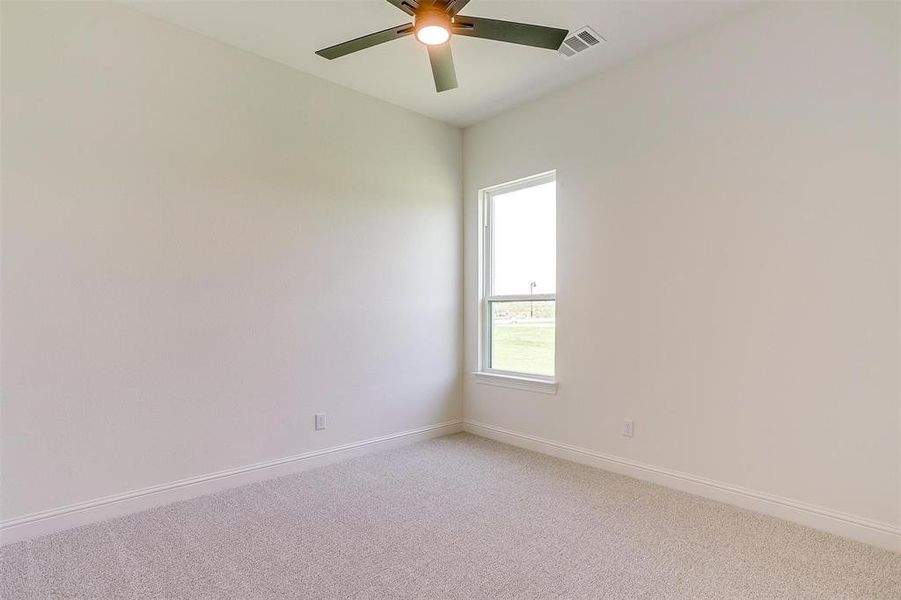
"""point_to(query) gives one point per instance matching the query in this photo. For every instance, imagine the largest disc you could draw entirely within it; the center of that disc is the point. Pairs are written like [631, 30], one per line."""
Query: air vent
[580, 41]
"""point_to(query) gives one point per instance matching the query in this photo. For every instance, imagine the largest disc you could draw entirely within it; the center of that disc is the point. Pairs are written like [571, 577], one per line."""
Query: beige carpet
[456, 517]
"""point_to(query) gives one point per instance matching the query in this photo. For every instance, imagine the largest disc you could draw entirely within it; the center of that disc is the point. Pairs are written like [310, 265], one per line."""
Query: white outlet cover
[628, 428]
[320, 421]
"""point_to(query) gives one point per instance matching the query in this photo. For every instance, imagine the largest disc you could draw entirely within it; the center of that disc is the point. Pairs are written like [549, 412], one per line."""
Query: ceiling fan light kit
[432, 27]
[435, 22]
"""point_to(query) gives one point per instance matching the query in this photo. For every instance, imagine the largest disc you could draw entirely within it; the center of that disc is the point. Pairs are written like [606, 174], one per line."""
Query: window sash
[522, 298]
[492, 305]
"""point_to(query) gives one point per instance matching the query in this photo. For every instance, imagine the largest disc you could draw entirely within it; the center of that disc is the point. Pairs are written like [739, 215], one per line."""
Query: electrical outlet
[320, 421]
[628, 428]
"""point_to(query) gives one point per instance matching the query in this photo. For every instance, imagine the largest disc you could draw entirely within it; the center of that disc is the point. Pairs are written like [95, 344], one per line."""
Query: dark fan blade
[443, 67]
[367, 41]
[408, 6]
[508, 31]
[455, 6]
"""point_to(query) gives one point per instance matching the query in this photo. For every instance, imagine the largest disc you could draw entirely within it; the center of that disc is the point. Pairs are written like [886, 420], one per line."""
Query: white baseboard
[100, 509]
[884, 535]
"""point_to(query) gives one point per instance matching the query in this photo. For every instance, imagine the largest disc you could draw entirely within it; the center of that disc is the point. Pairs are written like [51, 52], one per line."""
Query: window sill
[544, 386]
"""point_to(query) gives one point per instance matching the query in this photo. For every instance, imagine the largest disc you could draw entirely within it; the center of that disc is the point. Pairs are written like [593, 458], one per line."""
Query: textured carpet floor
[456, 517]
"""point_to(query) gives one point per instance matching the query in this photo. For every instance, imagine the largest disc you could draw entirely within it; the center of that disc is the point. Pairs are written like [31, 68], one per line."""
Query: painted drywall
[200, 249]
[728, 256]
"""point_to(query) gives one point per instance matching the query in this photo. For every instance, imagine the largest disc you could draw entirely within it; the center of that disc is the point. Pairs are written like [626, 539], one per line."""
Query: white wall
[728, 256]
[202, 248]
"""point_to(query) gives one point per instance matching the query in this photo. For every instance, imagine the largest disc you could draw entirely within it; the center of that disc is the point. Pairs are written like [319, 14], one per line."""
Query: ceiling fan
[434, 21]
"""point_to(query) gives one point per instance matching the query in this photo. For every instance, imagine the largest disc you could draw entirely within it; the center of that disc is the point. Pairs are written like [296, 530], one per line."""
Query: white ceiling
[492, 76]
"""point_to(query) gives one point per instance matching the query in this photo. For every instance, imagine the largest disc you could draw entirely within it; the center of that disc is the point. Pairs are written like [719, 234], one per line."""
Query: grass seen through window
[523, 337]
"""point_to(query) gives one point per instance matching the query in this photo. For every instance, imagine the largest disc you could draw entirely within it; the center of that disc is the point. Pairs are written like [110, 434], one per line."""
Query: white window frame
[486, 374]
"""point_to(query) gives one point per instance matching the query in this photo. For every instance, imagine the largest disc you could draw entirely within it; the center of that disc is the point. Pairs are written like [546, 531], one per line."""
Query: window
[519, 285]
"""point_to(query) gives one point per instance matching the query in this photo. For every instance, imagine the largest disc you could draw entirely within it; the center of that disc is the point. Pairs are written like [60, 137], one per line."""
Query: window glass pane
[524, 241]
[522, 336]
